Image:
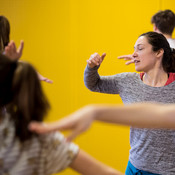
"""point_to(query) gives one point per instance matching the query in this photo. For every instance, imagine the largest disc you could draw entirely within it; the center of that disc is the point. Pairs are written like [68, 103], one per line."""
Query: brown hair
[4, 32]
[7, 68]
[164, 21]
[29, 102]
[22, 94]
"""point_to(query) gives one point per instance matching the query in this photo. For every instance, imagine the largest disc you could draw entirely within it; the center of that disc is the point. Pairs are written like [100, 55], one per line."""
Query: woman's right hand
[95, 60]
[77, 122]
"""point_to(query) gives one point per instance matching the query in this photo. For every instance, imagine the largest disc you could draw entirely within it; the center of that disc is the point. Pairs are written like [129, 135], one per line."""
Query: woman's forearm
[87, 165]
[142, 115]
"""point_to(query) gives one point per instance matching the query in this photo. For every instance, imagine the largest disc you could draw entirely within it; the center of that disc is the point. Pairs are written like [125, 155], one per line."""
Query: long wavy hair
[26, 100]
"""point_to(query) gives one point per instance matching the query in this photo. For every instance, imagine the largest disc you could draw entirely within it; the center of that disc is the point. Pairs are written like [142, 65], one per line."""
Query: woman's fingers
[129, 62]
[42, 78]
[20, 49]
[127, 57]
[12, 52]
[39, 127]
[95, 60]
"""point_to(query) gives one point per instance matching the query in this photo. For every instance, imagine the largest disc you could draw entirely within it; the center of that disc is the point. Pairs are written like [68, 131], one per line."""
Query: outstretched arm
[142, 115]
[87, 165]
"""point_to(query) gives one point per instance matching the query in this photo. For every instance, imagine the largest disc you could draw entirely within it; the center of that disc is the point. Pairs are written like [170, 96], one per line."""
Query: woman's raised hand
[12, 52]
[95, 60]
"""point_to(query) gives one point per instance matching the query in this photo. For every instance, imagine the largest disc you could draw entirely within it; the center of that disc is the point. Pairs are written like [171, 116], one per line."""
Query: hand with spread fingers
[12, 52]
[95, 60]
[127, 57]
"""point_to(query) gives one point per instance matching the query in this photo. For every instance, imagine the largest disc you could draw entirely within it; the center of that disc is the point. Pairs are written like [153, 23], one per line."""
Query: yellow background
[60, 35]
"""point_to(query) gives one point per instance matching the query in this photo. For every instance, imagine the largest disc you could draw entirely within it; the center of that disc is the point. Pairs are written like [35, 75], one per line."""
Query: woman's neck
[156, 78]
[167, 36]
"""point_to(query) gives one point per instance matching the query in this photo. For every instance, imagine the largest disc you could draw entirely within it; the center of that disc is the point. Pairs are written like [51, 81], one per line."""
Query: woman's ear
[160, 53]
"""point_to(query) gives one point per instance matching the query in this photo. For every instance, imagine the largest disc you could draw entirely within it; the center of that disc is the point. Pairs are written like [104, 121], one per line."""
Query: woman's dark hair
[22, 94]
[4, 32]
[158, 41]
[29, 102]
[7, 68]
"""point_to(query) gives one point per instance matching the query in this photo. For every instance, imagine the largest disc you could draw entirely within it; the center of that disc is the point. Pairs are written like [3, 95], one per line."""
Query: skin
[149, 62]
[83, 160]
[131, 58]
[153, 116]
[145, 60]
[14, 53]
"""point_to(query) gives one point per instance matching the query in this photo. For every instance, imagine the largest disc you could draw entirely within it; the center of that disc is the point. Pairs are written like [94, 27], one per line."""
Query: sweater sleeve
[103, 84]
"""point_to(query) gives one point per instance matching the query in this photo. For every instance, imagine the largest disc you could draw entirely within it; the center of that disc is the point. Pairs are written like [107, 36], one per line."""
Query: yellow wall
[60, 35]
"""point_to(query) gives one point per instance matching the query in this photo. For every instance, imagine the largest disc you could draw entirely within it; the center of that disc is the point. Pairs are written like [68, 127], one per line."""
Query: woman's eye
[140, 48]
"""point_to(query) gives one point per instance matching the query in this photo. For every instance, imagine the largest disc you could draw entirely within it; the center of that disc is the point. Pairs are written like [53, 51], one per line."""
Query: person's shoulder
[128, 74]
[55, 140]
[51, 137]
[171, 41]
[126, 78]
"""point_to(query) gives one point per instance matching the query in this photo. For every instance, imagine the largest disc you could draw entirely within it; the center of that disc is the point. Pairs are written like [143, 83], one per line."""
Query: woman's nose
[134, 54]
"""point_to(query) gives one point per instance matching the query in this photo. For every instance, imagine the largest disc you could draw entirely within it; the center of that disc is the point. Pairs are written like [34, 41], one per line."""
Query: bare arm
[143, 115]
[87, 165]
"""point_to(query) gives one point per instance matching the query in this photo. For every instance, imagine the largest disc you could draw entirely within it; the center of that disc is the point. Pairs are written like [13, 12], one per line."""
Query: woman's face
[144, 57]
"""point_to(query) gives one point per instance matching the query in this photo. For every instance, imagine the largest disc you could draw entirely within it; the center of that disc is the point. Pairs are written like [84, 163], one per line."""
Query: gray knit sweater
[151, 150]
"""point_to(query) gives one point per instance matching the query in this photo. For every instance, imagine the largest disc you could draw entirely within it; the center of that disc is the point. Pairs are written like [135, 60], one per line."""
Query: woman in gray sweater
[152, 151]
